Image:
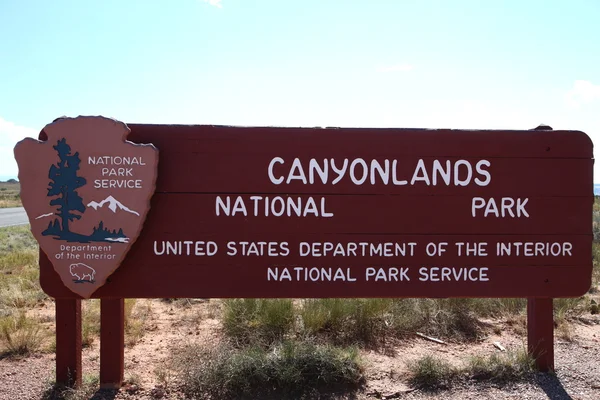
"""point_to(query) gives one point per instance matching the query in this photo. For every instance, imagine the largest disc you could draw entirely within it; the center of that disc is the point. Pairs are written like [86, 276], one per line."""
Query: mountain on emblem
[86, 214]
[113, 205]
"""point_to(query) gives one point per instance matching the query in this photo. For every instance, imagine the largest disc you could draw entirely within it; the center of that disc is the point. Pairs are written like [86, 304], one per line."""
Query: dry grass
[518, 324]
[19, 272]
[452, 319]
[257, 320]
[349, 321]
[566, 308]
[137, 314]
[10, 195]
[565, 331]
[594, 308]
[136, 317]
[89, 385]
[346, 320]
[433, 372]
[596, 267]
[372, 322]
[19, 335]
[502, 368]
[90, 321]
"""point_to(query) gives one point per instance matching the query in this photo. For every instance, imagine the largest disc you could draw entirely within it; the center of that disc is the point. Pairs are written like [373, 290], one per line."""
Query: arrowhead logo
[70, 184]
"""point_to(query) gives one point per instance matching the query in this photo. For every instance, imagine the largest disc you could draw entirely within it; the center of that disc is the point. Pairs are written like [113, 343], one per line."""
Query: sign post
[262, 212]
[112, 342]
[540, 332]
[68, 341]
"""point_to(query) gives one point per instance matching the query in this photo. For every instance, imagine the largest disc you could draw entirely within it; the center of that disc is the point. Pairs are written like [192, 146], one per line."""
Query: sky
[497, 64]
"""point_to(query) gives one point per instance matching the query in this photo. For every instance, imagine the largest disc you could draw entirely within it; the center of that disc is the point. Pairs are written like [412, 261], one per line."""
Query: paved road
[13, 216]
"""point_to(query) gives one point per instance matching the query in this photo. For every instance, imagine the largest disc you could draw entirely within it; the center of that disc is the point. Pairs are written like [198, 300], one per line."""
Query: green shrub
[431, 372]
[290, 369]
[257, 320]
[511, 366]
[346, 320]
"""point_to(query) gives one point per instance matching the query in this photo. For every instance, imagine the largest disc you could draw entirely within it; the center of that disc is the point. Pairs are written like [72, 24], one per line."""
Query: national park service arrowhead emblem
[86, 191]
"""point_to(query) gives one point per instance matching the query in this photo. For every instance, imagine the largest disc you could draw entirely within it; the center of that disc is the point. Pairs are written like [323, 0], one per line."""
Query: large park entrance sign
[309, 212]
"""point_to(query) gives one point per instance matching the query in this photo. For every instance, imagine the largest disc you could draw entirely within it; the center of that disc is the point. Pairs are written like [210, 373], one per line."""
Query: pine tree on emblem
[64, 183]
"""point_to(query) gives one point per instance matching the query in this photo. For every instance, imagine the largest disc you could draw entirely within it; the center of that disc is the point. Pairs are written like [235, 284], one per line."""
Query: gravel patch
[25, 378]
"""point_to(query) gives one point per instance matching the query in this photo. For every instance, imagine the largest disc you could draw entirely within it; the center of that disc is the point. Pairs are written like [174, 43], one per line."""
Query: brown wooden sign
[86, 192]
[299, 212]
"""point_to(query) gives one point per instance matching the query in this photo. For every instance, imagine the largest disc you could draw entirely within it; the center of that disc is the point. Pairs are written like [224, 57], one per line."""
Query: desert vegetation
[431, 373]
[286, 369]
[20, 330]
[10, 194]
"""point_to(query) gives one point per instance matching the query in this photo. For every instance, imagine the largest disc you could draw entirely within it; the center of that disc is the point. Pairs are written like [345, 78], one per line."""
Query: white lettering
[275, 181]
[488, 177]
[365, 172]
[423, 177]
[296, 172]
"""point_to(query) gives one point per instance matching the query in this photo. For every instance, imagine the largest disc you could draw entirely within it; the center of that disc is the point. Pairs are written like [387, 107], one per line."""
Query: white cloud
[396, 68]
[10, 134]
[583, 92]
[215, 3]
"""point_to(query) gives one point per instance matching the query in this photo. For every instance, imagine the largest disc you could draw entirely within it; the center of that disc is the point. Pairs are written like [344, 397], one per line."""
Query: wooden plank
[241, 280]
[68, 341]
[112, 342]
[338, 249]
[196, 213]
[249, 173]
[396, 142]
[540, 332]
[250, 279]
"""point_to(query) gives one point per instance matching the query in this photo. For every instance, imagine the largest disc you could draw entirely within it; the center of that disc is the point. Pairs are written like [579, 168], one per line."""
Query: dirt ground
[577, 361]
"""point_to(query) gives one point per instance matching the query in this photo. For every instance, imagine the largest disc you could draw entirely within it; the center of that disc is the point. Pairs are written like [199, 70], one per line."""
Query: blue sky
[396, 63]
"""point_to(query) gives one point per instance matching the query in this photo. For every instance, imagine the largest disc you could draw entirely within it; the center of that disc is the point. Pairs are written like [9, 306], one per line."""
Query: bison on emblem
[81, 271]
